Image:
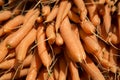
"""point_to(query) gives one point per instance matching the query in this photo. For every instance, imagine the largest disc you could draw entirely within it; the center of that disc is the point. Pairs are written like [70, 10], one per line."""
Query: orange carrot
[22, 32]
[74, 71]
[50, 33]
[1, 31]
[87, 26]
[42, 49]
[11, 24]
[39, 19]
[23, 46]
[82, 9]
[92, 69]
[107, 18]
[60, 14]
[77, 53]
[90, 41]
[59, 40]
[45, 10]
[34, 67]
[67, 9]
[73, 17]
[57, 49]
[75, 10]
[11, 54]
[52, 14]
[7, 64]
[5, 15]
[8, 76]
[63, 69]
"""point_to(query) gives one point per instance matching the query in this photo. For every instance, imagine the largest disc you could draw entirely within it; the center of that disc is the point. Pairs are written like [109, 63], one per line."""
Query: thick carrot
[42, 49]
[63, 69]
[7, 64]
[59, 40]
[12, 24]
[73, 17]
[59, 19]
[34, 67]
[77, 53]
[8, 76]
[45, 10]
[107, 18]
[73, 71]
[22, 48]
[52, 14]
[92, 69]
[5, 15]
[23, 31]
[90, 41]
[50, 33]
[82, 9]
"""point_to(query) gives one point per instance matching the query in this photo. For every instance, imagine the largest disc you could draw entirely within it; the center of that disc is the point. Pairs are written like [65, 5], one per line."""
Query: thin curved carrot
[23, 31]
[42, 49]
[45, 10]
[22, 48]
[11, 24]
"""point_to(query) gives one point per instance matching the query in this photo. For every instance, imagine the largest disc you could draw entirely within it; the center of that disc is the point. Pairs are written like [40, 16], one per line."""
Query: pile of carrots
[59, 39]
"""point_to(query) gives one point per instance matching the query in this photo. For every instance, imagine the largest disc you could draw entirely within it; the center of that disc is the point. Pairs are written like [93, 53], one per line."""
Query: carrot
[42, 49]
[22, 32]
[3, 48]
[8, 76]
[82, 9]
[34, 67]
[50, 33]
[8, 64]
[106, 54]
[87, 26]
[92, 69]
[63, 69]
[22, 48]
[60, 14]
[45, 10]
[59, 40]
[5, 15]
[90, 41]
[67, 9]
[73, 17]
[52, 14]
[92, 10]
[11, 54]
[75, 29]
[73, 71]
[77, 53]
[12, 24]
[113, 38]
[56, 71]
[107, 18]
